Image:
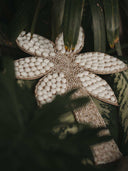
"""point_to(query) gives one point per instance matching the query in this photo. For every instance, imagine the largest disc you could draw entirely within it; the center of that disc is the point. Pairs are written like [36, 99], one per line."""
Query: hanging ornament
[62, 71]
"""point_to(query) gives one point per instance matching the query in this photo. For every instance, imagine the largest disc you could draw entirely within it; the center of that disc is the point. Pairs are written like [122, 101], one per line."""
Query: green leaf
[98, 26]
[121, 87]
[21, 19]
[57, 17]
[72, 20]
[35, 17]
[111, 10]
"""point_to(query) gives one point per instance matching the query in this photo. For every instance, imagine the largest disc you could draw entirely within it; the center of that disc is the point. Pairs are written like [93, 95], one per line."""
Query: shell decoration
[62, 71]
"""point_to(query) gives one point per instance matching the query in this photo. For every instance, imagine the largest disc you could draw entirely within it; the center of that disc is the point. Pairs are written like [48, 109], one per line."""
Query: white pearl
[20, 66]
[82, 64]
[40, 87]
[46, 79]
[21, 69]
[42, 71]
[25, 46]
[27, 69]
[37, 44]
[39, 67]
[95, 92]
[77, 60]
[27, 60]
[59, 47]
[50, 64]
[32, 50]
[45, 96]
[39, 60]
[53, 80]
[43, 64]
[38, 53]
[39, 93]
[58, 89]
[64, 86]
[82, 79]
[31, 64]
[62, 75]
[37, 63]
[33, 68]
[53, 91]
[55, 75]
[58, 84]
[52, 54]
[43, 84]
[80, 75]
[87, 78]
[113, 99]
[49, 77]
[37, 72]
[31, 74]
[53, 85]
[89, 88]
[46, 61]
[64, 80]
[85, 84]
[62, 90]
[21, 62]
[33, 59]
[49, 83]
[40, 98]
[86, 73]
[63, 51]
[101, 94]
[47, 67]
[26, 65]
[47, 88]
[45, 54]
[59, 79]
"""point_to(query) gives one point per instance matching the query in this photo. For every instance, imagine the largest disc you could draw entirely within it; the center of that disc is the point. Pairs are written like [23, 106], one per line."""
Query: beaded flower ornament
[62, 71]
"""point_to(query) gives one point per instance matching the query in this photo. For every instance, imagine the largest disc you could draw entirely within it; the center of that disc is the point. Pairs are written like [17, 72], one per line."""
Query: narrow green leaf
[35, 17]
[98, 26]
[111, 10]
[121, 87]
[57, 17]
[72, 20]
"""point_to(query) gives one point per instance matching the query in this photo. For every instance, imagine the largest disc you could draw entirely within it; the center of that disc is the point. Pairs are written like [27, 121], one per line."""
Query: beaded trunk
[63, 70]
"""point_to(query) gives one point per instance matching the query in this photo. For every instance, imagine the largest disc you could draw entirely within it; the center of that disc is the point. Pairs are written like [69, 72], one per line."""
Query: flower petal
[49, 86]
[37, 46]
[60, 44]
[100, 63]
[32, 67]
[97, 87]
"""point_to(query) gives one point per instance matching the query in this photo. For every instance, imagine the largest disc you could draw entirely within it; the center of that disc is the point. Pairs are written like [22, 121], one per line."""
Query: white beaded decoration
[97, 87]
[36, 45]
[61, 47]
[49, 86]
[100, 63]
[34, 69]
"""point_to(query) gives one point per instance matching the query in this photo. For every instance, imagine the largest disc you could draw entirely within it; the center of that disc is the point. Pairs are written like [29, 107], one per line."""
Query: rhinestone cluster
[60, 43]
[97, 87]
[49, 86]
[32, 67]
[38, 45]
[100, 62]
